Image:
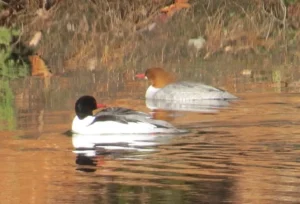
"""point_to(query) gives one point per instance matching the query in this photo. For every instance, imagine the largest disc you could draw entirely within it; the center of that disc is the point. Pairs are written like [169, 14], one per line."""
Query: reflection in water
[204, 106]
[248, 153]
[89, 148]
[7, 112]
[149, 168]
[117, 157]
[136, 142]
[87, 164]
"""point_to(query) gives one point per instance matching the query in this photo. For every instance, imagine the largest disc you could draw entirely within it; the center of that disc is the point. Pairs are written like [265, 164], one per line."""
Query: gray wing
[188, 91]
[120, 111]
[125, 115]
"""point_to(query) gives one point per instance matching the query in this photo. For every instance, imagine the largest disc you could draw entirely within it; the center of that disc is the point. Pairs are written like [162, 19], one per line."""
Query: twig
[3, 2]
[270, 14]
[19, 38]
[283, 6]
[269, 30]
[163, 53]
[284, 14]
[247, 15]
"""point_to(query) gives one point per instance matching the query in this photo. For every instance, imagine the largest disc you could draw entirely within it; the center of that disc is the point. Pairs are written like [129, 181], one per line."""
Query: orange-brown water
[247, 152]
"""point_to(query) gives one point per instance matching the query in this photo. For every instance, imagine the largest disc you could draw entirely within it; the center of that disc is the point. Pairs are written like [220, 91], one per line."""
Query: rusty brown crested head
[158, 77]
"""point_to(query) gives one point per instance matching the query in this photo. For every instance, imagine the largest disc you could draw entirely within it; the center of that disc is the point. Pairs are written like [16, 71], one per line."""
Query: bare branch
[270, 14]
[3, 2]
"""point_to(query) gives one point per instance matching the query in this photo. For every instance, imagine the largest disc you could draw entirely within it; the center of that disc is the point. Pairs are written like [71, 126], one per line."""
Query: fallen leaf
[35, 39]
[183, 5]
[170, 10]
[38, 66]
[181, 1]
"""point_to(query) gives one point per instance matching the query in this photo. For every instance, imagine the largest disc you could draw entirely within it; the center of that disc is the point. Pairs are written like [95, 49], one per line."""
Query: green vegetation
[288, 2]
[10, 66]
[7, 114]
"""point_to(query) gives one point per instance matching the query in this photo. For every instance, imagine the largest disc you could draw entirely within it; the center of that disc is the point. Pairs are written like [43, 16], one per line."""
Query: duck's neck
[163, 80]
[151, 91]
[84, 115]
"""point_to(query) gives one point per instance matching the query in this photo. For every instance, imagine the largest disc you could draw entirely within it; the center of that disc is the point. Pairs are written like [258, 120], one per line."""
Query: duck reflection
[203, 106]
[93, 150]
[85, 163]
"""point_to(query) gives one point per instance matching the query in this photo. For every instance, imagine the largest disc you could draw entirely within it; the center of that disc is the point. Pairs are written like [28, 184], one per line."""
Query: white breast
[151, 91]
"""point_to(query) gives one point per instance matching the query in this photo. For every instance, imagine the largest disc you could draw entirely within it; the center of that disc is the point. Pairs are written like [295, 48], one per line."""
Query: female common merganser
[164, 86]
[115, 120]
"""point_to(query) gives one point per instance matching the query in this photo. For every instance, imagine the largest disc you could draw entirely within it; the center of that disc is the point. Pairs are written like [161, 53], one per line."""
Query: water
[247, 152]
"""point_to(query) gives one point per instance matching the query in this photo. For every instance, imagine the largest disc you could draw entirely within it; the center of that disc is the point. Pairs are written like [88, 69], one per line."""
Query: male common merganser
[165, 87]
[115, 120]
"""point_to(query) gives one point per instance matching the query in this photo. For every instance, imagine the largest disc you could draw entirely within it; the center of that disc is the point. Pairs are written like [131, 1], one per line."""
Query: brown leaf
[181, 1]
[35, 39]
[38, 66]
[170, 10]
[183, 5]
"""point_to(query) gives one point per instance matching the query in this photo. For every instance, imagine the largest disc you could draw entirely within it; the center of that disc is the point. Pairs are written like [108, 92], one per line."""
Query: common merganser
[115, 120]
[165, 87]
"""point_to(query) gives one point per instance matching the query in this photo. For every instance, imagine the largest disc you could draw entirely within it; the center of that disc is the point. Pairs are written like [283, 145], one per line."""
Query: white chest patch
[78, 124]
[151, 91]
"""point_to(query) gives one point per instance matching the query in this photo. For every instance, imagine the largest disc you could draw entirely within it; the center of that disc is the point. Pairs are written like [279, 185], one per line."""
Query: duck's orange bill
[140, 76]
[101, 105]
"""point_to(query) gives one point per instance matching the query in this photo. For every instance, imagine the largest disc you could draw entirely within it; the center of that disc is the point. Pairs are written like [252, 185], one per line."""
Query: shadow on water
[247, 152]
